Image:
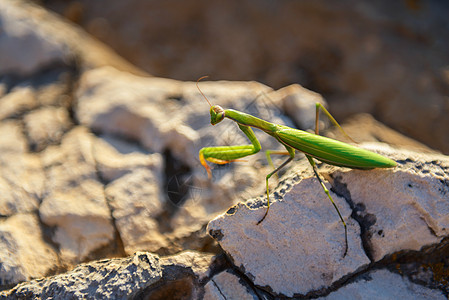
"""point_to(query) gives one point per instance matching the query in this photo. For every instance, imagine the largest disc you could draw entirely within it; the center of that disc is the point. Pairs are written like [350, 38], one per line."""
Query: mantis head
[217, 114]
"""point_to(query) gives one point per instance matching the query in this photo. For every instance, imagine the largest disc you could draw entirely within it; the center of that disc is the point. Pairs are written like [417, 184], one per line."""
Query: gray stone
[183, 276]
[74, 202]
[227, 285]
[407, 207]
[19, 100]
[199, 263]
[13, 139]
[299, 247]
[116, 158]
[383, 285]
[33, 38]
[136, 201]
[24, 45]
[23, 253]
[118, 278]
[21, 183]
[46, 126]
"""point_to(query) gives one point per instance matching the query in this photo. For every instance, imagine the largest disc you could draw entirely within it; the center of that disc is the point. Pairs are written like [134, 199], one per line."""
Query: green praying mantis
[324, 149]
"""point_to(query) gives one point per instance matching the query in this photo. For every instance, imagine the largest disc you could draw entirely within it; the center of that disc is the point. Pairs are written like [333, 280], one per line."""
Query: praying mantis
[324, 149]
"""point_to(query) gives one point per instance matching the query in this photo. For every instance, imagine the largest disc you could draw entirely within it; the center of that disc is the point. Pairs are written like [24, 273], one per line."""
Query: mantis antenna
[199, 79]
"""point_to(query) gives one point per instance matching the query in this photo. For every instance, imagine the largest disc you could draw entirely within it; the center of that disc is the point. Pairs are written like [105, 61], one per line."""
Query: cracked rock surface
[298, 249]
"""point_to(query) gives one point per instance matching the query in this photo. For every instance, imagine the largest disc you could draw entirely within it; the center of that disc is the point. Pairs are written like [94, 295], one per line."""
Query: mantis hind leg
[277, 152]
[312, 163]
[291, 152]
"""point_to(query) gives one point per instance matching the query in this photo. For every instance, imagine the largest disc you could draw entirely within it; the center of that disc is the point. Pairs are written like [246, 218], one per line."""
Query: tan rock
[74, 202]
[23, 253]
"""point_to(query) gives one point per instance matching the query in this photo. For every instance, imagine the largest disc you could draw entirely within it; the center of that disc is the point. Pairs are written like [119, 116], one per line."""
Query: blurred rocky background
[383, 58]
[101, 191]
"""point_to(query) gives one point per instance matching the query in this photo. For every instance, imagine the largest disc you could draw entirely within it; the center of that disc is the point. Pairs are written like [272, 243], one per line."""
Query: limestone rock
[144, 115]
[75, 203]
[24, 45]
[21, 173]
[227, 285]
[136, 202]
[199, 263]
[382, 284]
[21, 183]
[298, 248]
[19, 100]
[46, 126]
[13, 139]
[404, 208]
[33, 38]
[118, 278]
[183, 276]
[23, 253]
[116, 158]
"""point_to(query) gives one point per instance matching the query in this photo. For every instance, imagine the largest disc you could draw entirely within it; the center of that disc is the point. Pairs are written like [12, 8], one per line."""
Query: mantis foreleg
[226, 154]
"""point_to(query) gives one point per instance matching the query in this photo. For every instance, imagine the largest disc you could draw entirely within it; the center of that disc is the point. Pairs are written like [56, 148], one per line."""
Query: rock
[408, 206]
[137, 115]
[198, 263]
[116, 157]
[23, 254]
[118, 278]
[54, 87]
[75, 203]
[133, 188]
[25, 46]
[227, 285]
[183, 276]
[33, 38]
[142, 276]
[298, 248]
[46, 126]
[13, 139]
[21, 183]
[136, 202]
[21, 174]
[19, 100]
[382, 284]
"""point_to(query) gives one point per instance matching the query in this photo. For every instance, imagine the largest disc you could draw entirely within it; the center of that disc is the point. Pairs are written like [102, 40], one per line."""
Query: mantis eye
[217, 114]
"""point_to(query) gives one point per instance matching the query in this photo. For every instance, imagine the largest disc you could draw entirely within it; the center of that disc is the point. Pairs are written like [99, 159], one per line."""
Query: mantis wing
[331, 151]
